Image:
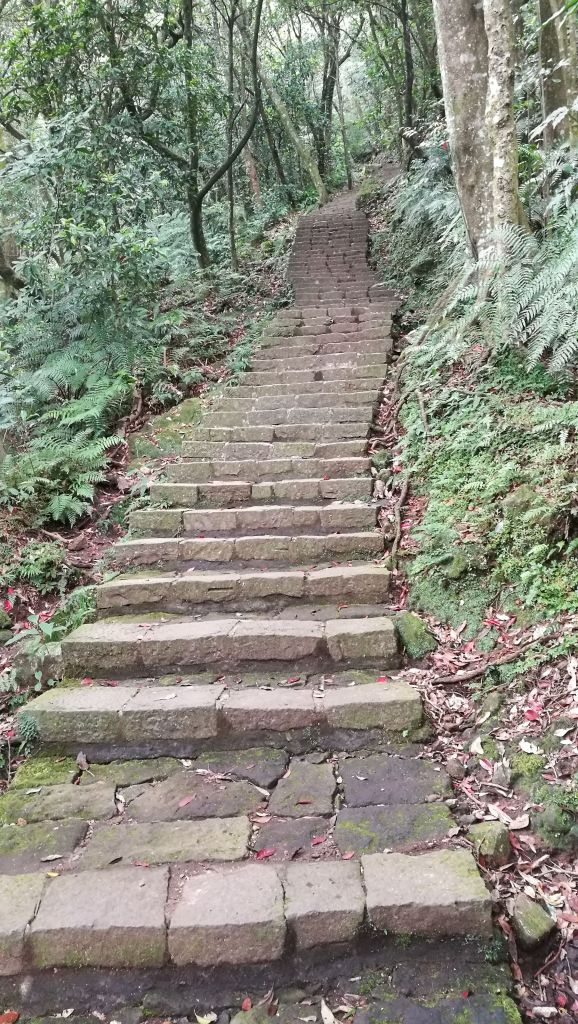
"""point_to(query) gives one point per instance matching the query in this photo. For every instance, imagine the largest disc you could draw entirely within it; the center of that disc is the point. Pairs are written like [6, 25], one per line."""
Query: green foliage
[43, 565]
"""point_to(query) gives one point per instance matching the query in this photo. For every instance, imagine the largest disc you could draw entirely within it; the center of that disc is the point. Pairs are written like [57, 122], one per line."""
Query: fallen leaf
[247, 1003]
[9, 1017]
[267, 851]
[348, 856]
[207, 1018]
[186, 800]
[326, 1015]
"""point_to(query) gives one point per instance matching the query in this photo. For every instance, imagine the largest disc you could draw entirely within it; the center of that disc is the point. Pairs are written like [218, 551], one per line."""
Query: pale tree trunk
[500, 125]
[343, 128]
[476, 45]
[463, 55]
[305, 155]
[554, 93]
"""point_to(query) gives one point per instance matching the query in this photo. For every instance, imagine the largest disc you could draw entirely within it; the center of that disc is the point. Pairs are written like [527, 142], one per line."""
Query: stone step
[121, 647]
[180, 721]
[318, 400]
[279, 348]
[177, 522]
[358, 373]
[262, 548]
[239, 914]
[322, 361]
[251, 471]
[312, 431]
[327, 387]
[290, 414]
[364, 584]
[242, 450]
[226, 493]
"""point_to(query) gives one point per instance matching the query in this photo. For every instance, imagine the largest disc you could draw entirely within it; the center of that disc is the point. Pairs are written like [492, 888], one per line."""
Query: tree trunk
[463, 54]
[196, 227]
[343, 127]
[499, 116]
[476, 44]
[553, 78]
[279, 169]
[305, 155]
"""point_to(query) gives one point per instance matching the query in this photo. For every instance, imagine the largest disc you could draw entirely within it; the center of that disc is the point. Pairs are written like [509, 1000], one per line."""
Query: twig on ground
[397, 538]
[465, 677]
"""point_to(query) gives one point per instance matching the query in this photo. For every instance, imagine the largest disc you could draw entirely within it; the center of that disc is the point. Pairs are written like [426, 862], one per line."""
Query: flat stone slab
[229, 917]
[213, 839]
[381, 779]
[286, 838]
[26, 848]
[19, 897]
[50, 770]
[260, 765]
[113, 918]
[375, 829]
[53, 803]
[188, 795]
[476, 1009]
[437, 893]
[324, 902]
[308, 789]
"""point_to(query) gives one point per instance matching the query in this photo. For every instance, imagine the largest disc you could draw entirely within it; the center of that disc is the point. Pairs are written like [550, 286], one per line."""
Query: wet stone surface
[307, 789]
[380, 779]
[54, 803]
[395, 827]
[25, 848]
[285, 839]
[261, 765]
[188, 795]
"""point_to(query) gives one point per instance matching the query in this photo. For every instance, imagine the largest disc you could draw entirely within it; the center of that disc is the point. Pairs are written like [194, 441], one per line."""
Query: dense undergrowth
[488, 395]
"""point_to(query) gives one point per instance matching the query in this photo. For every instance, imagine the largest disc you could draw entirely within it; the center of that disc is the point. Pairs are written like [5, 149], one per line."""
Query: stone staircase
[257, 793]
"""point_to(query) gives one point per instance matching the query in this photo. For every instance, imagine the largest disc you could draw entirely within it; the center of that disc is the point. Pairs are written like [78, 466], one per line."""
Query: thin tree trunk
[343, 127]
[499, 116]
[305, 155]
[230, 127]
[463, 54]
[553, 81]
[277, 163]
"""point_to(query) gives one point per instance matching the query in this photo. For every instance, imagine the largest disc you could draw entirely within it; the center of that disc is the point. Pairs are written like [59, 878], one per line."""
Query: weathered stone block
[438, 893]
[212, 839]
[55, 803]
[22, 847]
[277, 710]
[90, 714]
[390, 706]
[324, 902]
[307, 789]
[362, 640]
[113, 918]
[231, 916]
[19, 897]
[159, 712]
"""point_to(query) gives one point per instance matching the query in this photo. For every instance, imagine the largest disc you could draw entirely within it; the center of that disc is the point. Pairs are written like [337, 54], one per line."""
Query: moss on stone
[164, 435]
[414, 634]
[44, 770]
[526, 766]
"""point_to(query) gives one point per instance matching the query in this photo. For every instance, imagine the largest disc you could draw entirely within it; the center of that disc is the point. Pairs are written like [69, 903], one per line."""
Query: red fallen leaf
[317, 840]
[185, 800]
[326, 476]
[382, 679]
[87, 681]
[294, 679]
[466, 993]
[9, 1017]
[10, 590]
[7, 605]
[532, 715]
[110, 682]
[548, 777]
[561, 999]
[247, 1003]
[141, 864]
[348, 856]
[267, 851]
[298, 802]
